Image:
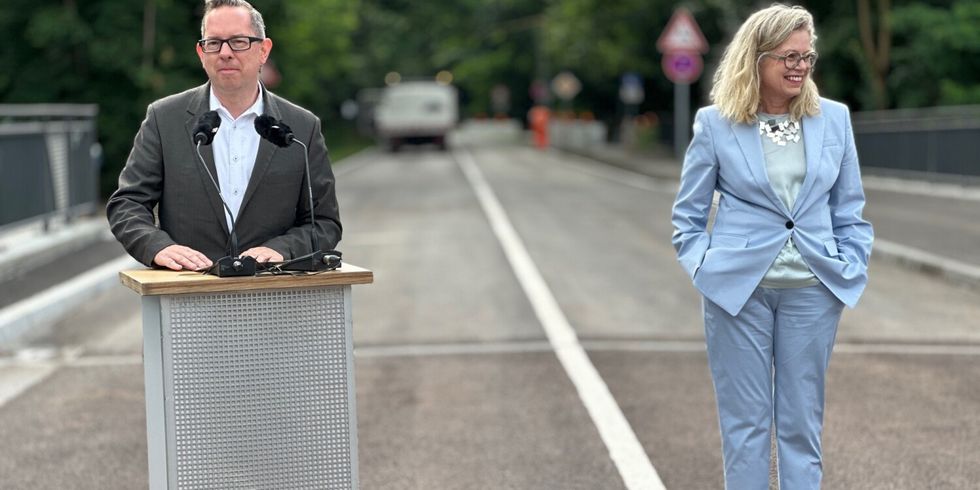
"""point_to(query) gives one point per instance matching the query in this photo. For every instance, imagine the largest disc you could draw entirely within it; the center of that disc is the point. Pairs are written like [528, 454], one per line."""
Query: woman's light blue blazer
[752, 224]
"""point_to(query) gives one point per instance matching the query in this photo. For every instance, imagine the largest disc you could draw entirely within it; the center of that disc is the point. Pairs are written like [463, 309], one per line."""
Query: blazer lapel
[813, 128]
[198, 105]
[263, 159]
[750, 142]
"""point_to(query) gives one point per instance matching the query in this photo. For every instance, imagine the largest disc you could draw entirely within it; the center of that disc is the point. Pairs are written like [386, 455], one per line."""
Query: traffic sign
[500, 98]
[682, 44]
[631, 89]
[566, 85]
[539, 92]
[682, 34]
[682, 67]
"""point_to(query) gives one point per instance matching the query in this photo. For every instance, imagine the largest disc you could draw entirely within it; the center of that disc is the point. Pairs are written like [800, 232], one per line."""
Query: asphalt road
[458, 386]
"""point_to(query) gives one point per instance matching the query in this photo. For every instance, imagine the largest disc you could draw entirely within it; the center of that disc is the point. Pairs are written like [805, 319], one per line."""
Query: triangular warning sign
[682, 34]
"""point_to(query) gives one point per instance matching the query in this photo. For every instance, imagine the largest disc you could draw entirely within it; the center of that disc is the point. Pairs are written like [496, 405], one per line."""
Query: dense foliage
[124, 54]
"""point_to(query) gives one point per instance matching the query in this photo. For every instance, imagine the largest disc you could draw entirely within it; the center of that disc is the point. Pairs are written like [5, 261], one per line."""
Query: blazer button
[789, 225]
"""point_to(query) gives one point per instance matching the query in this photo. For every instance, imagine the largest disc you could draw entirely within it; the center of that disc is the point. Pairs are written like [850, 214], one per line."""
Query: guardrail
[933, 142]
[49, 159]
[576, 134]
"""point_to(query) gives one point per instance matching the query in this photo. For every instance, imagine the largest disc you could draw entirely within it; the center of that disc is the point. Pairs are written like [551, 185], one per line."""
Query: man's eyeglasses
[240, 43]
[792, 59]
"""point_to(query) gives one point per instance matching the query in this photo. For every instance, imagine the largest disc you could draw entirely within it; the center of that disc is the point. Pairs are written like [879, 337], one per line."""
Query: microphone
[275, 131]
[279, 134]
[232, 265]
[207, 127]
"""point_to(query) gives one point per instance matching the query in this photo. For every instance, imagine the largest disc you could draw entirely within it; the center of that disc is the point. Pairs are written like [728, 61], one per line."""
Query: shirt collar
[255, 109]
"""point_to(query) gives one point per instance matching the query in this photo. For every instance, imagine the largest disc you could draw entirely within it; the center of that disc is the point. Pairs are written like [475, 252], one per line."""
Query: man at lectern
[264, 204]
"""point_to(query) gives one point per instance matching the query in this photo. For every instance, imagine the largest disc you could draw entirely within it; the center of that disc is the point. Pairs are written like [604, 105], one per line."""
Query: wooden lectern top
[153, 282]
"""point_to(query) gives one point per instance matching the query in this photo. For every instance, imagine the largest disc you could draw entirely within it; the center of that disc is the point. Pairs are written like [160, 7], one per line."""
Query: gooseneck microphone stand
[279, 134]
[232, 265]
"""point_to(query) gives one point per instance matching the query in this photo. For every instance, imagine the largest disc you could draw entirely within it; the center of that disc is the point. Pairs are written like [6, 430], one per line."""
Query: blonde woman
[788, 248]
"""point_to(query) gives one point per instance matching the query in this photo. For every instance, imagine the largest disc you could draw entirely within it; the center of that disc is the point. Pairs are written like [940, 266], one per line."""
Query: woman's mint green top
[786, 168]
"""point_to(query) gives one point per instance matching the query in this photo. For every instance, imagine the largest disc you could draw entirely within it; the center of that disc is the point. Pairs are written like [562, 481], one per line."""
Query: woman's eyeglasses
[793, 59]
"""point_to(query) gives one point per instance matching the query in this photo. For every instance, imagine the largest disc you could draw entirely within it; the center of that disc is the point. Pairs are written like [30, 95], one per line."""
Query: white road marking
[909, 349]
[692, 346]
[17, 379]
[28, 368]
[624, 448]
[454, 349]
[74, 357]
[113, 360]
[33, 366]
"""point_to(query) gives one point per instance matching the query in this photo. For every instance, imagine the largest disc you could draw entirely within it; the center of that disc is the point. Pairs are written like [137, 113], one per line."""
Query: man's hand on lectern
[179, 257]
[263, 254]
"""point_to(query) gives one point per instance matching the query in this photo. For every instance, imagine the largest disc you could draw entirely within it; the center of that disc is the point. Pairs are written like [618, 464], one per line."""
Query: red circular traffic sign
[682, 66]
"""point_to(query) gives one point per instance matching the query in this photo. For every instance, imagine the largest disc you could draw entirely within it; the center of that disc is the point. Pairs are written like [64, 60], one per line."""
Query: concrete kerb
[926, 262]
[44, 309]
[656, 167]
[920, 260]
[29, 246]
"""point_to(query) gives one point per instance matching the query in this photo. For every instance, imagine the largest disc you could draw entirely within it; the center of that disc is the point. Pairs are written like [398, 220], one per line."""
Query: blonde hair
[736, 81]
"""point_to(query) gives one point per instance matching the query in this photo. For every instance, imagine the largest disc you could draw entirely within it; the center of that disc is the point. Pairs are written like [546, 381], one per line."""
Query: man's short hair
[258, 25]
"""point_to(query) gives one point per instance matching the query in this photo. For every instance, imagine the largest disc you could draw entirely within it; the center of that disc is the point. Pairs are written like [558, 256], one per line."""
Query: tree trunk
[149, 33]
[877, 54]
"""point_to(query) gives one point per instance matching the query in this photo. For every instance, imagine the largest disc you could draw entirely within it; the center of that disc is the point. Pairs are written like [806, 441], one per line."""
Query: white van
[416, 112]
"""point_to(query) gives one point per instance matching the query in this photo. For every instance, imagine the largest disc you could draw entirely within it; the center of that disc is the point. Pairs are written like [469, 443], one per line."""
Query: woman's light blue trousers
[768, 364]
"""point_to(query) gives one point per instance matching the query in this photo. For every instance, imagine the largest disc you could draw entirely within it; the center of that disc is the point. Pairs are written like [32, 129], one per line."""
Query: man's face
[233, 71]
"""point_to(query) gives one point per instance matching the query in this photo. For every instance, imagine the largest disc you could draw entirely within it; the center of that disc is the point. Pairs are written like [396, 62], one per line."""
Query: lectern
[249, 380]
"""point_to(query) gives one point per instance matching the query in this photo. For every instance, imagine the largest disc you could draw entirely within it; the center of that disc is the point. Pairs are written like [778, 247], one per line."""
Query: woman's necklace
[780, 132]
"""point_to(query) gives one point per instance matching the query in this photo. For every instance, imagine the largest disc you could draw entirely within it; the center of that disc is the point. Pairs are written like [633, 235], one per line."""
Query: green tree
[482, 43]
[936, 57]
[122, 55]
[313, 50]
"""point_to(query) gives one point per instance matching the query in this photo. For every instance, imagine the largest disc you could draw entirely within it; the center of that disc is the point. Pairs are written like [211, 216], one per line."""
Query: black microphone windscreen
[275, 131]
[206, 127]
[286, 133]
[263, 125]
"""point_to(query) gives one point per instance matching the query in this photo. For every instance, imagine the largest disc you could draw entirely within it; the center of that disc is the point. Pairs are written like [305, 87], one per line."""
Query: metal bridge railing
[933, 142]
[49, 160]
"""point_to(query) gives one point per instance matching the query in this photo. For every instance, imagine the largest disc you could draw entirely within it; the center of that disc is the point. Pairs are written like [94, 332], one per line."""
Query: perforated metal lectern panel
[259, 390]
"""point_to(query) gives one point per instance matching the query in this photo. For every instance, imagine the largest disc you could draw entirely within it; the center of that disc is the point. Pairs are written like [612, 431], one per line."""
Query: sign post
[682, 44]
[631, 94]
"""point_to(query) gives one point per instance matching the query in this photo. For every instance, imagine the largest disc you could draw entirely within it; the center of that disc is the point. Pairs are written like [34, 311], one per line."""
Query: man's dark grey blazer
[163, 170]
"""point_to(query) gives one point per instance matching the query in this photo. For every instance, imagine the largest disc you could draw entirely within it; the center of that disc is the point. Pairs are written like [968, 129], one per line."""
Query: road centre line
[625, 450]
